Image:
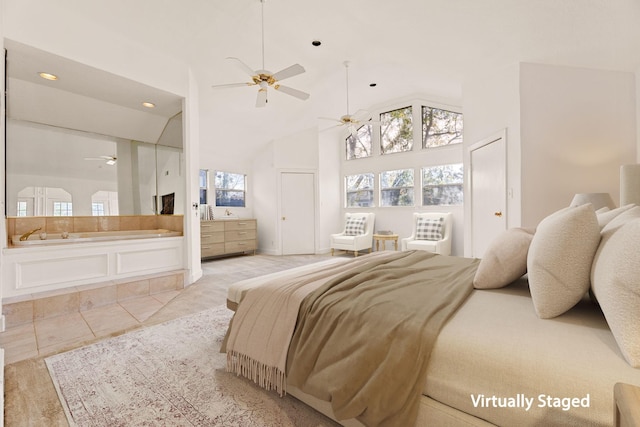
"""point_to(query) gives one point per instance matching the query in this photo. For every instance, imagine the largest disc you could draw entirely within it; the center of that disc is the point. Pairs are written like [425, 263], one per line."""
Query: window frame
[408, 190]
[424, 138]
[361, 190]
[443, 185]
[228, 190]
[410, 142]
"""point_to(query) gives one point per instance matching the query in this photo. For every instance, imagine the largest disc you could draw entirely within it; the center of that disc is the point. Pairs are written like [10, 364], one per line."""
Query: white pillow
[505, 260]
[560, 257]
[605, 217]
[616, 285]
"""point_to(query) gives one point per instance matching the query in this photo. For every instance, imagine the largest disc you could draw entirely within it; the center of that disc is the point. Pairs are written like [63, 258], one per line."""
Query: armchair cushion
[429, 228]
[354, 226]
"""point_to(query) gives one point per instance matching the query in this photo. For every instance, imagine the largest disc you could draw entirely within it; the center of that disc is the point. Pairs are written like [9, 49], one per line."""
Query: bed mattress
[496, 360]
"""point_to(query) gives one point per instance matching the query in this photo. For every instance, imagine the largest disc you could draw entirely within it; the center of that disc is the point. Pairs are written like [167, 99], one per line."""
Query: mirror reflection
[84, 145]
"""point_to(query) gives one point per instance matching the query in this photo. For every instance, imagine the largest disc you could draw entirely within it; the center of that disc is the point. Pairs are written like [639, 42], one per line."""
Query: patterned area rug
[170, 374]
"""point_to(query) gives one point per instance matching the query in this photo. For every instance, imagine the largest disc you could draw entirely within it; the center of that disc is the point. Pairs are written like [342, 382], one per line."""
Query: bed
[510, 351]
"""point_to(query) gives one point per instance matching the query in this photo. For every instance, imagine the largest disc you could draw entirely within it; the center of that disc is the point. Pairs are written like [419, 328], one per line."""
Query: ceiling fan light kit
[265, 79]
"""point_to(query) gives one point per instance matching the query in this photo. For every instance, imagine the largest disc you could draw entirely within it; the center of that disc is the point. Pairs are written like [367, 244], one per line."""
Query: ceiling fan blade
[293, 92]
[361, 115]
[291, 71]
[332, 119]
[261, 101]
[232, 85]
[244, 66]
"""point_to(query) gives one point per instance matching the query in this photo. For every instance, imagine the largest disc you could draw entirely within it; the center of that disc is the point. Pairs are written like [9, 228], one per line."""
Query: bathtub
[39, 239]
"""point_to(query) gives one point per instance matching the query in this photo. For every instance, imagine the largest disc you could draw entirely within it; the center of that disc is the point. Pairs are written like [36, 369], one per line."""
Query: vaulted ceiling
[405, 47]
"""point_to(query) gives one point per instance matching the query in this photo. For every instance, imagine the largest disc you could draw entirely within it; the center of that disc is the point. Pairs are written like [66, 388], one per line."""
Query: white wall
[297, 152]
[577, 128]
[491, 103]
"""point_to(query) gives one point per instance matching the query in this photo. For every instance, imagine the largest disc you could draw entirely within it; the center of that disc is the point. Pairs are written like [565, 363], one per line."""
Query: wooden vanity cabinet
[228, 236]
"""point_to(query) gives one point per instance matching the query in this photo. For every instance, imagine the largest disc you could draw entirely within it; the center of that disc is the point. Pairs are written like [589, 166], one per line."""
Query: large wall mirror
[84, 144]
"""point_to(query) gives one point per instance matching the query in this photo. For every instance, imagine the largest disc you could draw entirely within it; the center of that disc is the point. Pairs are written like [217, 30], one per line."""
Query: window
[230, 189]
[204, 185]
[440, 127]
[97, 209]
[396, 131]
[442, 185]
[359, 145]
[359, 190]
[396, 188]
[22, 208]
[62, 209]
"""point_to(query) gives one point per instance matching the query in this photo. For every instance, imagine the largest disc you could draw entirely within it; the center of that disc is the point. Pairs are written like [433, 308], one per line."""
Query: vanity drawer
[210, 226]
[240, 246]
[231, 236]
[213, 249]
[211, 237]
[241, 224]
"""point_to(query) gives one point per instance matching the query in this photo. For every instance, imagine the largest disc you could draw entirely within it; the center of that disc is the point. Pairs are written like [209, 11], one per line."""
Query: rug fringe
[267, 377]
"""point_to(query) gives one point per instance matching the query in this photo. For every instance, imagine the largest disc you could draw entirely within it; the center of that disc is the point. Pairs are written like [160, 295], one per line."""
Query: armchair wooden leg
[355, 253]
[331, 251]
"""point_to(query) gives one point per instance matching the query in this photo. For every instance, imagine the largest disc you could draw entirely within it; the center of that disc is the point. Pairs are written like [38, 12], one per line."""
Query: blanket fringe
[267, 377]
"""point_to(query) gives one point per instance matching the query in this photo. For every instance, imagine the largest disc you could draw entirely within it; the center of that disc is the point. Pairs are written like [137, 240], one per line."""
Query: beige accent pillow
[607, 216]
[616, 285]
[560, 257]
[505, 260]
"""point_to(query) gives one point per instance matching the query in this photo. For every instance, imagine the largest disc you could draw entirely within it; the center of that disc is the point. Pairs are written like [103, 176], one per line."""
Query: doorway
[488, 191]
[297, 212]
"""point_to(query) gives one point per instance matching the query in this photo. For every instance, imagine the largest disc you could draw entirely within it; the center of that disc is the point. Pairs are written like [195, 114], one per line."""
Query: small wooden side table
[383, 238]
[627, 405]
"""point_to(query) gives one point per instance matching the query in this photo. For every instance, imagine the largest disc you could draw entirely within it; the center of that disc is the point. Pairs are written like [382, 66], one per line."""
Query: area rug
[170, 374]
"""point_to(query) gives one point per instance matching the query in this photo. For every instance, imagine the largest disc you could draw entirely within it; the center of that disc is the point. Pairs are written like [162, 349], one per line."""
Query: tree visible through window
[440, 127]
[396, 131]
[396, 188]
[359, 190]
[359, 145]
[442, 185]
[230, 189]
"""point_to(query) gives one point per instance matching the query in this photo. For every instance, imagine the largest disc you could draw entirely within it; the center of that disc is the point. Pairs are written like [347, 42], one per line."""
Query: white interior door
[297, 213]
[488, 192]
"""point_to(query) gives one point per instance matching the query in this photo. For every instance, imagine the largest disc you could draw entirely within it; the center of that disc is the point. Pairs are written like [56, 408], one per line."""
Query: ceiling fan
[265, 79]
[110, 160]
[355, 121]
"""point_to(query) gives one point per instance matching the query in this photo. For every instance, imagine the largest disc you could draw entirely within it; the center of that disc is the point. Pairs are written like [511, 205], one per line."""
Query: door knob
[498, 214]
[284, 218]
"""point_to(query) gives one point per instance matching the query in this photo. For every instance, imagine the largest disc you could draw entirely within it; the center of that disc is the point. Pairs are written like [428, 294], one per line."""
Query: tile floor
[51, 335]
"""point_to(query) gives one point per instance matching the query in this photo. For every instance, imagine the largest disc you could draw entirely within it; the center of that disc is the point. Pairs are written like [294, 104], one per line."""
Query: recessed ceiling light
[48, 76]
[149, 104]
[316, 43]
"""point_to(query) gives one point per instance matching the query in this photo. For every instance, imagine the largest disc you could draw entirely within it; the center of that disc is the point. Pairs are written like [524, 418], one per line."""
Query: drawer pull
[242, 232]
[242, 223]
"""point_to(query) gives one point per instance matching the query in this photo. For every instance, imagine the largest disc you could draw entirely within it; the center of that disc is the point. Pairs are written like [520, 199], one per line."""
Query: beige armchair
[431, 232]
[357, 234]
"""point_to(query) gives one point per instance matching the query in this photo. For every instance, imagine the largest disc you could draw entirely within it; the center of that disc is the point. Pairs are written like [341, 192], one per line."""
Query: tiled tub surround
[78, 224]
[40, 268]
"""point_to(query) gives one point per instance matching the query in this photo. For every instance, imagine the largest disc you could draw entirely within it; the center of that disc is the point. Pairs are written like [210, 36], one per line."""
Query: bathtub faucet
[26, 235]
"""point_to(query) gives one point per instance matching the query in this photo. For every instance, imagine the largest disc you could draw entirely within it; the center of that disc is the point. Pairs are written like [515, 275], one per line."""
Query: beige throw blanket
[261, 329]
[363, 340]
